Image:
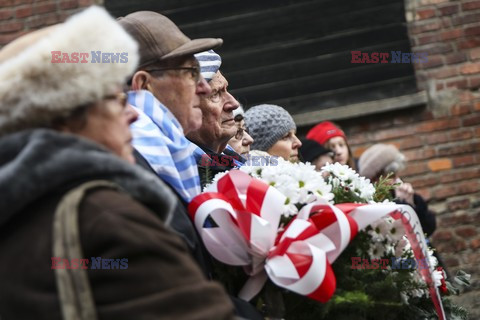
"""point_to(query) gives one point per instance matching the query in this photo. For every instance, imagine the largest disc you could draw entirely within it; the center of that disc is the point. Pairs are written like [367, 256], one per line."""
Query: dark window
[297, 53]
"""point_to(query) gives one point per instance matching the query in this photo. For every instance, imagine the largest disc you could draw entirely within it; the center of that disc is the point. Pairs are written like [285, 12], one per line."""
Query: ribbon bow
[247, 215]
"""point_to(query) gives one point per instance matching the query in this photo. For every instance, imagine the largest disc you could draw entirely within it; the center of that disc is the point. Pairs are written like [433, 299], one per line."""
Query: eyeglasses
[240, 133]
[121, 97]
[194, 71]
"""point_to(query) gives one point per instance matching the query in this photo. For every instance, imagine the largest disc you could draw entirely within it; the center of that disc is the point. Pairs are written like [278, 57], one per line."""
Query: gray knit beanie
[267, 123]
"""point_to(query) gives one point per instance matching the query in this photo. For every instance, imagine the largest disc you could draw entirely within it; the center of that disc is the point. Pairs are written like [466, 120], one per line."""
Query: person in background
[242, 140]
[333, 138]
[63, 125]
[383, 159]
[313, 152]
[273, 131]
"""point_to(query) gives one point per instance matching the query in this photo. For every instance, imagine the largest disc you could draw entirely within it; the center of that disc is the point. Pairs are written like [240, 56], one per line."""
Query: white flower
[342, 172]
[300, 183]
[432, 259]
[437, 277]
[396, 230]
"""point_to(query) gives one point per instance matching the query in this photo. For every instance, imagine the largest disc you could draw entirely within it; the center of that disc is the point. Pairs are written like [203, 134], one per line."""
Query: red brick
[456, 57]
[446, 72]
[463, 161]
[456, 149]
[433, 61]
[436, 48]
[472, 31]
[45, 7]
[420, 154]
[465, 19]
[458, 84]
[472, 42]
[440, 124]
[448, 10]
[435, 138]
[475, 244]
[444, 192]
[85, 3]
[429, 2]
[12, 26]
[424, 193]
[477, 132]
[455, 219]
[442, 235]
[6, 14]
[448, 177]
[470, 68]
[68, 4]
[461, 134]
[465, 187]
[460, 109]
[425, 14]
[422, 40]
[410, 142]
[24, 12]
[474, 54]
[452, 246]
[455, 205]
[471, 5]
[43, 20]
[466, 96]
[439, 86]
[471, 120]
[415, 168]
[423, 182]
[391, 133]
[453, 34]
[466, 232]
[440, 164]
[473, 82]
[424, 26]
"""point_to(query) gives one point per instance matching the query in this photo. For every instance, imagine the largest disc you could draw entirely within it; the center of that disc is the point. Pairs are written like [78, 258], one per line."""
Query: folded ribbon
[247, 213]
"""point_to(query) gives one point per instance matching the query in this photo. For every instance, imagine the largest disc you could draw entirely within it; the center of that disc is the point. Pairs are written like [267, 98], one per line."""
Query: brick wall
[18, 17]
[442, 140]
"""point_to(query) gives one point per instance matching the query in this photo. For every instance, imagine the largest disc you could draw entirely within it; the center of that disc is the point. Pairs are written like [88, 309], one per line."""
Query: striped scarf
[159, 138]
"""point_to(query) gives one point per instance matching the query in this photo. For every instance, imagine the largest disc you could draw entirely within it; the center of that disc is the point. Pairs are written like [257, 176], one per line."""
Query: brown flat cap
[160, 39]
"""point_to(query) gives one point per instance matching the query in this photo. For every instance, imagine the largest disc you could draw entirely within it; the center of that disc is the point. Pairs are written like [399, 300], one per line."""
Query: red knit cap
[325, 131]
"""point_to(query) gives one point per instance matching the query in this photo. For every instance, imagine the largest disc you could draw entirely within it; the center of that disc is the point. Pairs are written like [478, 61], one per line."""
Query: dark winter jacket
[426, 217]
[161, 280]
[212, 163]
[182, 224]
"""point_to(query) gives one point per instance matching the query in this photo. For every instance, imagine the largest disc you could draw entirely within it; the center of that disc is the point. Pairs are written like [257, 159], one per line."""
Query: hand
[404, 192]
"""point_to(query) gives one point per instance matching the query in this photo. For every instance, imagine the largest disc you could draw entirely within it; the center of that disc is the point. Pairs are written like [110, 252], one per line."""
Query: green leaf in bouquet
[383, 188]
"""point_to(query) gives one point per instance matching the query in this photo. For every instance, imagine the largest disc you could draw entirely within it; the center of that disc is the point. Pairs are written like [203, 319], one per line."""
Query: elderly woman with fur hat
[273, 131]
[383, 159]
[84, 233]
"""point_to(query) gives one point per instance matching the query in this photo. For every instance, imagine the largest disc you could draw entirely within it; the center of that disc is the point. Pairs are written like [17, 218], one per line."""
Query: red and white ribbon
[247, 214]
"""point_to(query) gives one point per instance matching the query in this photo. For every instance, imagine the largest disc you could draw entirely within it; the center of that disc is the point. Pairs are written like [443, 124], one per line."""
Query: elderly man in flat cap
[168, 88]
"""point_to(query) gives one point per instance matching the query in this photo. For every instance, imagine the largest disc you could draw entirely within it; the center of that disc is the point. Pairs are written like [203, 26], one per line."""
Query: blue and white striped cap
[210, 62]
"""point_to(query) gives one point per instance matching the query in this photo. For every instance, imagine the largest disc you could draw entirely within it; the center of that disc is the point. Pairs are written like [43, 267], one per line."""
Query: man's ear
[140, 80]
